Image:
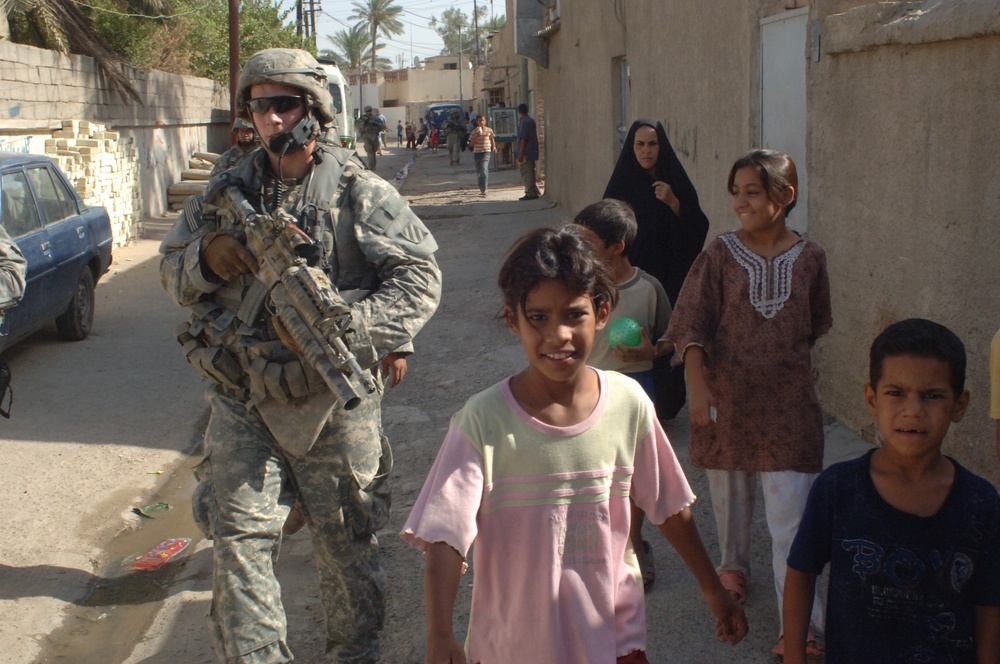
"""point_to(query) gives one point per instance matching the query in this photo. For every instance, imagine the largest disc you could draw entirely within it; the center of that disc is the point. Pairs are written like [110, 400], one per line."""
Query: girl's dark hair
[776, 170]
[563, 254]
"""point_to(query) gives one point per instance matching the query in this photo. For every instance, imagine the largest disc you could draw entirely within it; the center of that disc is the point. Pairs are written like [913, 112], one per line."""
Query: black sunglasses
[280, 104]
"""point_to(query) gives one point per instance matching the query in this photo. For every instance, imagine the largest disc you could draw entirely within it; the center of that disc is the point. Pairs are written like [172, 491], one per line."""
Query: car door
[66, 230]
[20, 218]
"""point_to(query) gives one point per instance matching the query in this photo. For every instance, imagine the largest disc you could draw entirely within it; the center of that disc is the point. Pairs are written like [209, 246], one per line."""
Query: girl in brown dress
[753, 305]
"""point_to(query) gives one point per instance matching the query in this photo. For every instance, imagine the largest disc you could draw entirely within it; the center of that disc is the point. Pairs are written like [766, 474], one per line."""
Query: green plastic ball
[626, 331]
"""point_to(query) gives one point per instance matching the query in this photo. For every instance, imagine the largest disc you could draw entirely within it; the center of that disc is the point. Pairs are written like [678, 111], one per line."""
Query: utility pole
[234, 61]
[475, 22]
[460, 49]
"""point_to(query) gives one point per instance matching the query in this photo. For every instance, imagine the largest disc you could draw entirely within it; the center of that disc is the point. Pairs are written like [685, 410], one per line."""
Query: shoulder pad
[379, 206]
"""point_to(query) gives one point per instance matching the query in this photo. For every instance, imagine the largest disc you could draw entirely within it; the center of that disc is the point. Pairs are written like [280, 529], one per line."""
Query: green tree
[378, 16]
[263, 24]
[68, 26]
[354, 48]
[454, 27]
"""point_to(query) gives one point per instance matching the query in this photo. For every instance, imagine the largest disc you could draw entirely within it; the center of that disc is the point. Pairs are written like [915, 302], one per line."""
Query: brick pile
[104, 168]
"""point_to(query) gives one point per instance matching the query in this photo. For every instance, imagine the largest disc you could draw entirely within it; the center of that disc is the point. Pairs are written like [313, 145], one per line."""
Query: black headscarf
[666, 244]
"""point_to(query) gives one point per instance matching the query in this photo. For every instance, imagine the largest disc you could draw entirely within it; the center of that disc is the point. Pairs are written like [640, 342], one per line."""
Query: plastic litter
[160, 555]
[145, 511]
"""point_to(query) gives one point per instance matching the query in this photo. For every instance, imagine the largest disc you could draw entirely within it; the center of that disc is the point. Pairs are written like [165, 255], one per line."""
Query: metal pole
[234, 61]
[460, 49]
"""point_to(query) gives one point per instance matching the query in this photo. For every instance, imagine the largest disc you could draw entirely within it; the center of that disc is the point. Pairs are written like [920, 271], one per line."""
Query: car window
[338, 103]
[19, 215]
[56, 202]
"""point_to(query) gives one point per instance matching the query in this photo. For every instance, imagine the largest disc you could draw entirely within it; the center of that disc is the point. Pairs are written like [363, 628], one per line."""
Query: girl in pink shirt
[538, 470]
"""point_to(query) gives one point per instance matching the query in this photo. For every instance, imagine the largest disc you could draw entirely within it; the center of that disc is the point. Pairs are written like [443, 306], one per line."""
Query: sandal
[646, 568]
[736, 585]
[815, 651]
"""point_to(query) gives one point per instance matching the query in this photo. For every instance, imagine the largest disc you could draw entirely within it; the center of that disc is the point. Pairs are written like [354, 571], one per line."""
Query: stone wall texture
[176, 116]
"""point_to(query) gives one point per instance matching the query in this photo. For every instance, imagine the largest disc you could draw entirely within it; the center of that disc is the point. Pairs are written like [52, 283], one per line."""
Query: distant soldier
[369, 126]
[454, 133]
[246, 142]
[276, 432]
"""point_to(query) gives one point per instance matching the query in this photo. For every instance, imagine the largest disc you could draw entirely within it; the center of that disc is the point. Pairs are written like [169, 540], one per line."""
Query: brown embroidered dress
[757, 320]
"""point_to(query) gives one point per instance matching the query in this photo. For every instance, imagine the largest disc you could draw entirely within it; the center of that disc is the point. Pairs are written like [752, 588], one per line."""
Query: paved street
[92, 419]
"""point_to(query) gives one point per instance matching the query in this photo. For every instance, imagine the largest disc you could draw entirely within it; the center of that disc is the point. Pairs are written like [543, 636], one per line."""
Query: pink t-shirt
[555, 577]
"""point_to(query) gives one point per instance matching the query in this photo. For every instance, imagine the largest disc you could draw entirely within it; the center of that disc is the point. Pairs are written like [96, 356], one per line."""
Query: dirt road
[124, 403]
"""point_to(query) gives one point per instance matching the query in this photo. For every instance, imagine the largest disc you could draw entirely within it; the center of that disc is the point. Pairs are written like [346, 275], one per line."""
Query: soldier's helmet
[242, 123]
[291, 67]
[367, 109]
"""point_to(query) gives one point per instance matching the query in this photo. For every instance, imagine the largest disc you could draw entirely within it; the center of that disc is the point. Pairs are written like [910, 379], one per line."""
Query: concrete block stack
[104, 168]
[194, 179]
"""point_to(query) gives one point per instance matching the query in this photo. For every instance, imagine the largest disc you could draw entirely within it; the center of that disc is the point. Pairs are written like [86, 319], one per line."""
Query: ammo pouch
[366, 510]
[213, 362]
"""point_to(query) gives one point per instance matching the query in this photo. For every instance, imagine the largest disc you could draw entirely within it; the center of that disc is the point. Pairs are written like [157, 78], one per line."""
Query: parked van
[342, 102]
[439, 113]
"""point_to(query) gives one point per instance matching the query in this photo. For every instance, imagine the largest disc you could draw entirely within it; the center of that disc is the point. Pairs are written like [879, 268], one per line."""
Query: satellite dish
[416, 60]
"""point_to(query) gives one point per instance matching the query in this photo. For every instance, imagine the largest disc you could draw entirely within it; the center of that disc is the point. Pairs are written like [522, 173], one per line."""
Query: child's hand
[394, 364]
[701, 404]
[730, 621]
[444, 650]
[644, 351]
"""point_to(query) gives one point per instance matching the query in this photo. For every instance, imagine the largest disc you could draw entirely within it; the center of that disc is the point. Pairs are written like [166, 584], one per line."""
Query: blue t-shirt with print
[903, 588]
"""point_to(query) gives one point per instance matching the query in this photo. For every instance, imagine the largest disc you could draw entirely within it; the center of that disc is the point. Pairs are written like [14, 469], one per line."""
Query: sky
[418, 38]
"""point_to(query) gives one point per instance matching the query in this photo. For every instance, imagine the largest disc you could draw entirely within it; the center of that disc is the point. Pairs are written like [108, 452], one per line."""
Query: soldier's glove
[225, 256]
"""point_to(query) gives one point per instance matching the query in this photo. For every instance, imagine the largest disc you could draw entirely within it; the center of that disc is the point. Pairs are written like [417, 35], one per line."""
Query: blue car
[66, 243]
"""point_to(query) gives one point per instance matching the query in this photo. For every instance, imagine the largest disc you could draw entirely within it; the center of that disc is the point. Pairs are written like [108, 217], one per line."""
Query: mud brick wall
[175, 117]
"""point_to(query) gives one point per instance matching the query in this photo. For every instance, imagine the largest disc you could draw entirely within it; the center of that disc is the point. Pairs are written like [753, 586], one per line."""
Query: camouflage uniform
[13, 269]
[267, 404]
[369, 126]
[231, 157]
[454, 131]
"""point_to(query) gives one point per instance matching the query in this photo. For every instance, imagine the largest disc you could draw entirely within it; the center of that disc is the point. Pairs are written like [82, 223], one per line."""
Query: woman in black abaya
[672, 230]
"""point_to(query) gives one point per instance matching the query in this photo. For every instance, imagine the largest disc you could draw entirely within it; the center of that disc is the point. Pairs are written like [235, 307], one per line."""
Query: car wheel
[76, 322]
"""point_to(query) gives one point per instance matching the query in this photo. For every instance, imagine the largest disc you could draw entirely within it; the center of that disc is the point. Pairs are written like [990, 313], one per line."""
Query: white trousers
[733, 496]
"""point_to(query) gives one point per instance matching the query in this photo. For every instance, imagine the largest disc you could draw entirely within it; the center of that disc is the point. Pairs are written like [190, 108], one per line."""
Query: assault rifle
[307, 303]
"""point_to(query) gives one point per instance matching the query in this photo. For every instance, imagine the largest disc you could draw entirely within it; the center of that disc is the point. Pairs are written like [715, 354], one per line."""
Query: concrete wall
[178, 115]
[903, 103]
[904, 109]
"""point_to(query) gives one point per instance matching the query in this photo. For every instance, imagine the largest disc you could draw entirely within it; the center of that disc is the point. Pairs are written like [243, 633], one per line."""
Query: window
[338, 103]
[19, 215]
[54, 199]
[494, 97]
[450, 65]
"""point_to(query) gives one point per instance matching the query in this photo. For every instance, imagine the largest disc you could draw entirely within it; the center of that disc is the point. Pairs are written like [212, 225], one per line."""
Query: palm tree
[63, 25]
[378, 16]
[354, 49]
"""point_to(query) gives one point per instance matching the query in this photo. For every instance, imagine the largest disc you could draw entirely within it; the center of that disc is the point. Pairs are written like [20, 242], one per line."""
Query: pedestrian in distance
[411, 137]
[484, 145]
[671, 231]
[536, 472]
[370, 127]
[527, 152]
[385, 129]
[399, 134]
[454, 133]
[435, 139]
[753, 305]
[641, 298]
[909, 534]
[277, 432]
[421, 132]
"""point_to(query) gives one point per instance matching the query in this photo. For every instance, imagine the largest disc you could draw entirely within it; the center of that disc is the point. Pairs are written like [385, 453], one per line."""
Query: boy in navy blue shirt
[911, 536]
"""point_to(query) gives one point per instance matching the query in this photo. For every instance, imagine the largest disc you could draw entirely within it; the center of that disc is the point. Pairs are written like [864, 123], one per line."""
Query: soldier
[454, 132]
[246, 142]
[275, 431]
[13, 272]
[369, 126]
